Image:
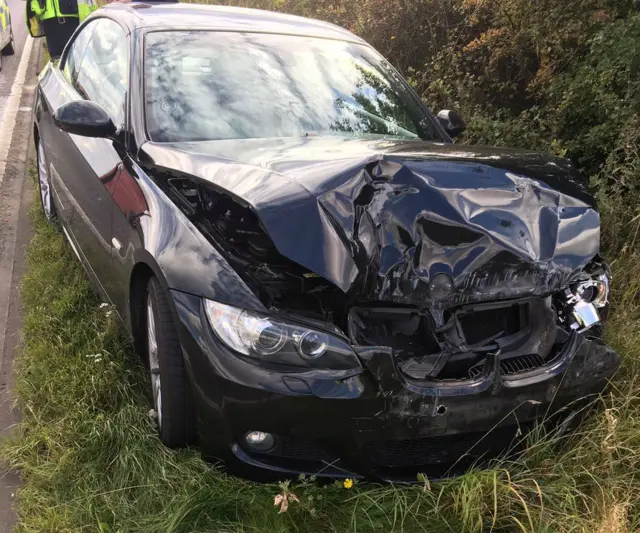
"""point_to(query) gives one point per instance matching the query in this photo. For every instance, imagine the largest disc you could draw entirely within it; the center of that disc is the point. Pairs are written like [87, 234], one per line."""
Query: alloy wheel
[154, 365]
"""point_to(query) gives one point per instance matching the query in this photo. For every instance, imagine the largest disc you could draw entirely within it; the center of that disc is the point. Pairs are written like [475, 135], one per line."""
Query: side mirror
[452, 122]
[85, 118]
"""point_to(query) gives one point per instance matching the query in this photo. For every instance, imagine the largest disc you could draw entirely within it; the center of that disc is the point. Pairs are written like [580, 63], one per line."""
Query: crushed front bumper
[374, 422]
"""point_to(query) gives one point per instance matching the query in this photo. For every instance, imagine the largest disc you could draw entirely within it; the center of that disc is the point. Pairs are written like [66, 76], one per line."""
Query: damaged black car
[319, 280]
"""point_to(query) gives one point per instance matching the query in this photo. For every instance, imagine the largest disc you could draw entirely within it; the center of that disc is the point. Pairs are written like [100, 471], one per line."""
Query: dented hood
[379, 219]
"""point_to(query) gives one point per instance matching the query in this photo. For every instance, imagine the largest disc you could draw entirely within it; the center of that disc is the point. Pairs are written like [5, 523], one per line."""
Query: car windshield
[206, 85]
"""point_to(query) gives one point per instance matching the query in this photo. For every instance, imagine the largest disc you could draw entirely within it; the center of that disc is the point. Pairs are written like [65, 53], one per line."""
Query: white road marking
[25, 108]
[8, 122]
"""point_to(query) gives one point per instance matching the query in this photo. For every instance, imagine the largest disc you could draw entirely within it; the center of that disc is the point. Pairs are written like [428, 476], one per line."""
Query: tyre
[173, 406]
[44, 187]
[10, 49]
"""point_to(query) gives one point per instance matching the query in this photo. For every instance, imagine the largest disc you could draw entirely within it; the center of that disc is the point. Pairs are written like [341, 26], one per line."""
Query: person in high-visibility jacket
[57, 20]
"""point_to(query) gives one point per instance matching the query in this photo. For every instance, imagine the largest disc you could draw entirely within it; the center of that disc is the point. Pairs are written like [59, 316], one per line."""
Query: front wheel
[174, 410]
[10, 49]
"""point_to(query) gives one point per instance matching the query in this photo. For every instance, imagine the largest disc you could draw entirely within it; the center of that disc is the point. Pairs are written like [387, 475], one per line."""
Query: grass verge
[90, 459]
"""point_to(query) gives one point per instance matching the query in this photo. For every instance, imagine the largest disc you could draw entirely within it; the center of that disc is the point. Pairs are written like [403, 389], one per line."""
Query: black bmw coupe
[320, 281]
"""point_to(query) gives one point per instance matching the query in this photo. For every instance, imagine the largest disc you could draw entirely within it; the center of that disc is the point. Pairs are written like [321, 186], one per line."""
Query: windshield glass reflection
[225, 85]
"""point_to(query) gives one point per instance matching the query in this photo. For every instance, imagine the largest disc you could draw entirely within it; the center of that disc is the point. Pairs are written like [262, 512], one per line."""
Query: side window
[76, 50]
[103, 76]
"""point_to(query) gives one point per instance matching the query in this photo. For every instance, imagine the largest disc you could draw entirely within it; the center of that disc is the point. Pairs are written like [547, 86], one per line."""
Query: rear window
[204, 85]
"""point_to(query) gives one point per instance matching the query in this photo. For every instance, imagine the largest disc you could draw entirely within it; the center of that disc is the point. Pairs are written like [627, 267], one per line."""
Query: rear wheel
[174, 410]
[44, 186]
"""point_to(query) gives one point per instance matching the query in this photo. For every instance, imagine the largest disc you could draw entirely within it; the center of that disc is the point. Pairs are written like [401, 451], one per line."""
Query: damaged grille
[513, 365]
[454, 344]
[442, 449]
[405, 330]
[300, 449]
[479, 327]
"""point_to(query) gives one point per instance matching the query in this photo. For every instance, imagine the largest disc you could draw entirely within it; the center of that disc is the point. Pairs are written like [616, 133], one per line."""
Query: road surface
[17, 85]
[10, 63]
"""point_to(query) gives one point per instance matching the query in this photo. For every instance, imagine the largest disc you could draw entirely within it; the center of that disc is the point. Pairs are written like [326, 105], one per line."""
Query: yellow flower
[348, 483]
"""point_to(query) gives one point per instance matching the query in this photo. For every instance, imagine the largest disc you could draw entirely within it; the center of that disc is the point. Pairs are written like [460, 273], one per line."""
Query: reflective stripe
[35, 28]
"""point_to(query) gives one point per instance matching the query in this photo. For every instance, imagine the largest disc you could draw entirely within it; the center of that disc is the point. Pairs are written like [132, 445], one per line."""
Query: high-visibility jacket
[39, 10]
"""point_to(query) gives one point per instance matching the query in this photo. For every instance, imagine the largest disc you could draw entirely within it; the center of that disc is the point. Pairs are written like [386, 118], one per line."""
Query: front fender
[161, 237]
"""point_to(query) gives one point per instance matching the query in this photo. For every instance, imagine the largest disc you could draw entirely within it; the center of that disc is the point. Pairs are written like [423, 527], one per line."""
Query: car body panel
[160, 16]
[361, 228]
[5, 25]
[531, 225]
[88, 166]
[149, 229]
[347, 427]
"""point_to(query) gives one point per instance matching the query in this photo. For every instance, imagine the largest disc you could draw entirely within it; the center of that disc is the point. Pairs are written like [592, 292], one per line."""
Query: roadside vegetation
[555, 76]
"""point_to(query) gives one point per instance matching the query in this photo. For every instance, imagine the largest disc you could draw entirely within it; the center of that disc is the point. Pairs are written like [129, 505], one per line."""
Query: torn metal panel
[381, 219]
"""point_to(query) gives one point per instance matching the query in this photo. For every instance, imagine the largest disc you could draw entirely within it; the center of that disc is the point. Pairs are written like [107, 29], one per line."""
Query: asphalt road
[10, 63]
[18, 79]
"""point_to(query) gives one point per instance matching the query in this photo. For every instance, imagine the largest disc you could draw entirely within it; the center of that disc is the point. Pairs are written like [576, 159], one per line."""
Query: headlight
[594, 291]
[274, 341]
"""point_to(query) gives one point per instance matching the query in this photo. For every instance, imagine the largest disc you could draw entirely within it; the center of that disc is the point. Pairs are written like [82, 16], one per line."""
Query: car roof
[170, 15]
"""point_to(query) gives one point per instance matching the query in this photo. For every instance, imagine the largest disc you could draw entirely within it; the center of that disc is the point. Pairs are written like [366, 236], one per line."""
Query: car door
[89, 166]
[56, 89]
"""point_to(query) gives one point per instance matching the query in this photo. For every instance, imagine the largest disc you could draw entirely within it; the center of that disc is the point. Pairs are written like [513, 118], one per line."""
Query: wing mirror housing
[84, 118]
[452, 122]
